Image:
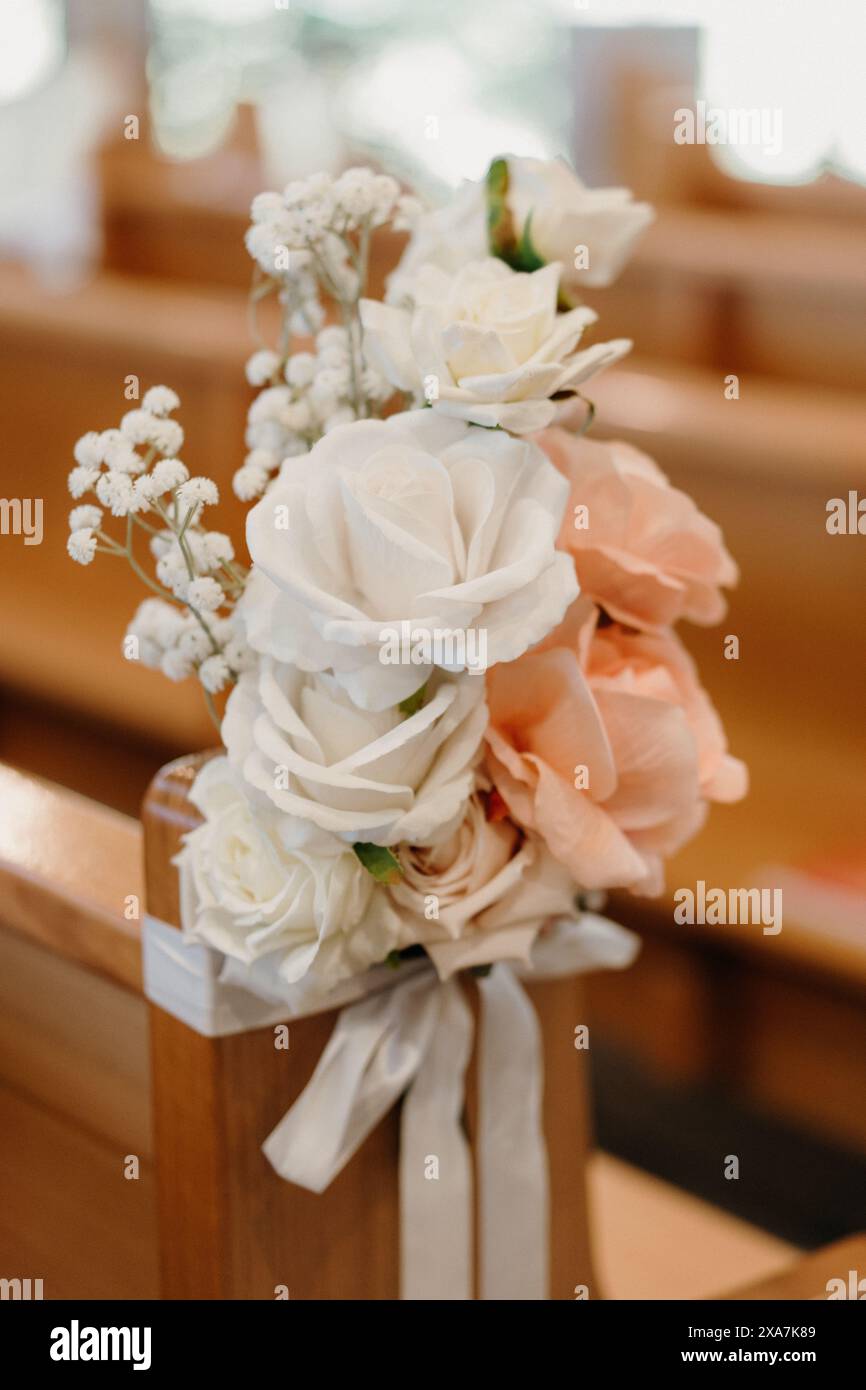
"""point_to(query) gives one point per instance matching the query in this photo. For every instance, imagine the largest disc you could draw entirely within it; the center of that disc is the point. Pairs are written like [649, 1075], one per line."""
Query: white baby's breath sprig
[205, 594]
[167, 475]
[81, 545]
[82, 480]
[314, 239]
[263, 367]
[214, 673]
[81, 517]
[161, 400]
[198, 492]
[87, 451]
[187, 627]
[143, 427]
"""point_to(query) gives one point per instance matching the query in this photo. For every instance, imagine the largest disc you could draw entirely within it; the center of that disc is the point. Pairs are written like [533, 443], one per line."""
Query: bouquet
[457, 708]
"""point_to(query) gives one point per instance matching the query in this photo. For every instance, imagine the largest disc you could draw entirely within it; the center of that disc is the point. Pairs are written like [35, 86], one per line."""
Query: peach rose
[645, 554]
[603, 742]
[494, 889]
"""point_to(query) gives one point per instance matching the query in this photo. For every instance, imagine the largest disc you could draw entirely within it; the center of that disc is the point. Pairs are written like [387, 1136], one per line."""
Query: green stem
[110, 547]
[178, 533]
[158, 589]
[349, 316]
[146, 526]
[212, 711]
[187, 519]
[590, 415]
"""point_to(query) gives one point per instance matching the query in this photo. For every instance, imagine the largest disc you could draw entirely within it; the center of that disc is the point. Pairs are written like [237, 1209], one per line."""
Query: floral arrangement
[457, 700]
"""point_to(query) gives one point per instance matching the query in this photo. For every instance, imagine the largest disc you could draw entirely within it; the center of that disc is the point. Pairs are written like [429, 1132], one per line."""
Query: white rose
[364, 776]
[565, 216]
[486, 345]
[417, 519]
[248, 893]
[481, 895]
[447, 237]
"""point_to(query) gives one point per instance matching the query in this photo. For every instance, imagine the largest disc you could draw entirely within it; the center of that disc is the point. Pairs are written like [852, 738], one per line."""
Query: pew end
[91, 1075]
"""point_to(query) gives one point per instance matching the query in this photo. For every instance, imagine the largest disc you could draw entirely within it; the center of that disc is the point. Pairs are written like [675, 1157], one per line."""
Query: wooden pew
[74, 1067]
[80, 1095]
[63, 625]
[764, 468]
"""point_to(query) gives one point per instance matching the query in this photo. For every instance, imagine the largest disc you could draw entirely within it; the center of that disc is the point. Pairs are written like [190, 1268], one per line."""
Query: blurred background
[132, 138]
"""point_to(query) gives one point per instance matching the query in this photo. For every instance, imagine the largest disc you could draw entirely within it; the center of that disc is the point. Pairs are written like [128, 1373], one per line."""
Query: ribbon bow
[411, 1036]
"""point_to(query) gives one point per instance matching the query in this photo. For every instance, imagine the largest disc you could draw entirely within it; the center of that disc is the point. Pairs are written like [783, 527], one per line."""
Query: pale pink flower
[603, 741]
[643, 551]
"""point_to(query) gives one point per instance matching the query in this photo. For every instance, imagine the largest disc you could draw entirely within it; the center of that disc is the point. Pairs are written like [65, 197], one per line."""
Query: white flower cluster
[208, 552]
[300, 234]
[313, 239]
[111, 465]
[170, 640]
[354, 789]
[134, 473]
[303, 398]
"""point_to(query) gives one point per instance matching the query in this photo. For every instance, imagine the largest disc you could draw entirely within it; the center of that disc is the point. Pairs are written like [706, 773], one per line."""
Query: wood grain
[76, 1042]
[68, 1215]
[230, 1227]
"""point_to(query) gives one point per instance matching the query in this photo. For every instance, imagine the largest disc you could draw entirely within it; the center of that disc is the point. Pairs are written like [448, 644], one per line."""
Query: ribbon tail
[435, 1164]
[371, 1057]
[514, 1197]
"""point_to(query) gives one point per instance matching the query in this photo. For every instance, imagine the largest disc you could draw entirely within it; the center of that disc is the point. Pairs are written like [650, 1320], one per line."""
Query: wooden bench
[92, 1076]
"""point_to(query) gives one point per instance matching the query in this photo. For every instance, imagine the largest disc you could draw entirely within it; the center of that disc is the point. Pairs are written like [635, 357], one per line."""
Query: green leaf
[590, 414]
[501, 238]
[379, 861]
[527, 257]
[497, 179]
[413, 702]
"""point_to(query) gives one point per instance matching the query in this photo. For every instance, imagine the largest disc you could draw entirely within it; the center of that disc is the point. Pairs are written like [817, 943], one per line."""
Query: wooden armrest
[810, 1277]
[70, 875]
[680, 415]
[655, 1241]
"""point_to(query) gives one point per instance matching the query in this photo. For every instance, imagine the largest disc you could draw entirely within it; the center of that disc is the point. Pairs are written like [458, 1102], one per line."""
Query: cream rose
[565, 218]
[375, 776]
[481, 895]
[447, 237]
[246, 891]
[486, 345]
[416, 519]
